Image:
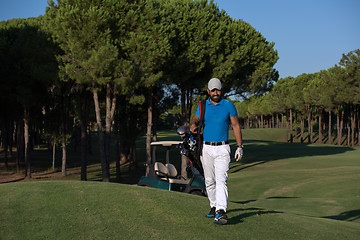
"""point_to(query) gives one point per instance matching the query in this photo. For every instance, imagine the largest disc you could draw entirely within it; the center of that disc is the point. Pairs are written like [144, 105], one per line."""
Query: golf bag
[191, 146]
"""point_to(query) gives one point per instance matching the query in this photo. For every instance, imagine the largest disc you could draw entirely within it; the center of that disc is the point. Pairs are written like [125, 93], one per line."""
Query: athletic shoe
[211, 214]
[220, 217]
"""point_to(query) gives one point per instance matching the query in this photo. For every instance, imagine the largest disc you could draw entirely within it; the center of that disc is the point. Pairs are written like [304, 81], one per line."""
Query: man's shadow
[247, 212]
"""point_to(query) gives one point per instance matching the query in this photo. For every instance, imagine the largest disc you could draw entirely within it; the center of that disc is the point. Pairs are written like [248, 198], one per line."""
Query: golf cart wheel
[198, 192]
[144, 184]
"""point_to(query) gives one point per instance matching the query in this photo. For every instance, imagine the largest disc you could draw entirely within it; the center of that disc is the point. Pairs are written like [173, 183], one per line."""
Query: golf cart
[165, 175]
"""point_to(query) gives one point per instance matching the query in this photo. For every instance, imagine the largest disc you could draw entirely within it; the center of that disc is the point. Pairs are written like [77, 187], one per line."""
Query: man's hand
[239, 153]
[194, 123]
[193, 129]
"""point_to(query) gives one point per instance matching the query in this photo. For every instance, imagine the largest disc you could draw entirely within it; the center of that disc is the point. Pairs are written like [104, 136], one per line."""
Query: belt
[216, 143]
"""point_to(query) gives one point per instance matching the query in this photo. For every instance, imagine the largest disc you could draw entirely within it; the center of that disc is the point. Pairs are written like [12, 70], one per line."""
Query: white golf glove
[239, 153]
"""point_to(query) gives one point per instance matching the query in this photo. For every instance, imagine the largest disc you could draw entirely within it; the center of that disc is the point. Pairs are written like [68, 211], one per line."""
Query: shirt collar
[210, 103]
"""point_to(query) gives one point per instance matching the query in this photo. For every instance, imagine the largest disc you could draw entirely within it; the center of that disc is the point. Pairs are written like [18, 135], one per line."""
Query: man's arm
[194, 123]
[238, 137]
[237, 130]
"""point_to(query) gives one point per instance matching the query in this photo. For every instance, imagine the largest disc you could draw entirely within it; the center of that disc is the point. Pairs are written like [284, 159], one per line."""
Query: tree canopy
[125, 53]
[311, 95]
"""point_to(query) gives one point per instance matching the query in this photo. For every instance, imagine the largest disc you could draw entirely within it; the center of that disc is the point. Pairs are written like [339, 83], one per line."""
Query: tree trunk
[311, 129]
[183, 107]
[310, 123]
[358, 124]
[89, 134]
[5, 141]
[330, 127]
[11, 136]
[104, 164]
[135, 156]
[27, 144]
[77, 136]
[83, 147]
[186, 104]
[337, 126]
[149, 166]
[155, 115]
[348, 126]
[291, 125]
[53, 155]
[341, 126]
[63, 147]
[320, 124]
[295, 126]
[353, 125]
[117, 145]
[302, 127]
[133, 164]
[189, 107]
[84, 137]
[19, 143]
[110, 110]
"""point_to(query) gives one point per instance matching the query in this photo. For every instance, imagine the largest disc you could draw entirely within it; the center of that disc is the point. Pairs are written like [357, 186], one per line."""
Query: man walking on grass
[215, 159]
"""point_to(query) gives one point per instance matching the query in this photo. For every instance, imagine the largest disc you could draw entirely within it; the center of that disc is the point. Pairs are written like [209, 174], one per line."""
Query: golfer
[215, 159]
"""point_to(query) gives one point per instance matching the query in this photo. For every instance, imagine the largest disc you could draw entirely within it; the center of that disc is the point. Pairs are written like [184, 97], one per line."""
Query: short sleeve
[232, 109]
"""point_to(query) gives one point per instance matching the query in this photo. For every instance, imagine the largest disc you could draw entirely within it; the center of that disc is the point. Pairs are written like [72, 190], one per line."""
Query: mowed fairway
[278, 191]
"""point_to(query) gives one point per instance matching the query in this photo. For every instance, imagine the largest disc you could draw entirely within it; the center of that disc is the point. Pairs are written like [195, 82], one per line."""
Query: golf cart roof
[166, 143]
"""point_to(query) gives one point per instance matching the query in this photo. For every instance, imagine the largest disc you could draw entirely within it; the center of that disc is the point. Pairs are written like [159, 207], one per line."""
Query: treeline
[327, 101]
[115, 67]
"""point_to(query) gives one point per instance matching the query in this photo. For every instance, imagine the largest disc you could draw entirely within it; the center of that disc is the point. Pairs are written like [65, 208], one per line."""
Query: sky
[309, 35]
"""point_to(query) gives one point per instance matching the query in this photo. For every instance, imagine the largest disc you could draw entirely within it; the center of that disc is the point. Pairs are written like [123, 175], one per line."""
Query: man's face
[215, 95]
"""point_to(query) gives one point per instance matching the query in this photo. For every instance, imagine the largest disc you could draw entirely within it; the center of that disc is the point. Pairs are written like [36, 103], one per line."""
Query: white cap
[214, 83]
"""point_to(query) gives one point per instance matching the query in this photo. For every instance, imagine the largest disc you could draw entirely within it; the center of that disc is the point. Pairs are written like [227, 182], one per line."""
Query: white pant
[215, 161]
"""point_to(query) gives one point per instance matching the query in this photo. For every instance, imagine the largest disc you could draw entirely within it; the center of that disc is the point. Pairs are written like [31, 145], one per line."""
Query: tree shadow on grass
[351, 216]
[260, 152]
[15, 180]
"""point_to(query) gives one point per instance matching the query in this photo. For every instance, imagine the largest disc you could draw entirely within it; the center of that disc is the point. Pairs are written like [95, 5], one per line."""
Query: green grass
[278, 191]
[265, 134]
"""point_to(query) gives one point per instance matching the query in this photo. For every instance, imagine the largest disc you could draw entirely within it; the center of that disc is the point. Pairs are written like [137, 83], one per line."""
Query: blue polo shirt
[217, 120]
